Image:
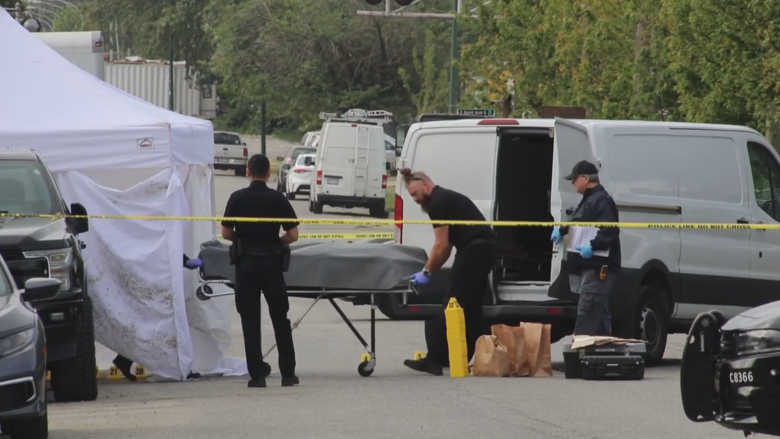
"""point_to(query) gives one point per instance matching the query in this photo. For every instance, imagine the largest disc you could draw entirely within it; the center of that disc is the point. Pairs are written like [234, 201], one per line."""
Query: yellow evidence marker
[456, 339]
[418, 355]
[365, 357]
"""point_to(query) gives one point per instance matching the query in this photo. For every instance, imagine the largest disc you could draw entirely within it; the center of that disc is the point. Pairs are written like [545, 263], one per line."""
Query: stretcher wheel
[266, 369]
[363, 369]
[202, 292]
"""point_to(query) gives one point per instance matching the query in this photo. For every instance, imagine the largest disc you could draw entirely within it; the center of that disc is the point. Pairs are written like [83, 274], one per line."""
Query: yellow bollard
[456, 339]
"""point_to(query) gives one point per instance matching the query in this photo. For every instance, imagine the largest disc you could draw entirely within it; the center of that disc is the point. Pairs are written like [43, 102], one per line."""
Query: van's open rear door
[362, 150]
[572, 144]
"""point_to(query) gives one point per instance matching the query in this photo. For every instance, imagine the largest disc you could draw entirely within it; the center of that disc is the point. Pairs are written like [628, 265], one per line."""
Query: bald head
[418, 184]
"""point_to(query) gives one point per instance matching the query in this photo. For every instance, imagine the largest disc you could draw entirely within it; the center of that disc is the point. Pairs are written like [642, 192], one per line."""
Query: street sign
[476, 112]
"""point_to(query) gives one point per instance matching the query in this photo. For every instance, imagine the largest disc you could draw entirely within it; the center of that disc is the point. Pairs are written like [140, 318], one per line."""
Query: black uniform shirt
[445, 204]
[259, 201]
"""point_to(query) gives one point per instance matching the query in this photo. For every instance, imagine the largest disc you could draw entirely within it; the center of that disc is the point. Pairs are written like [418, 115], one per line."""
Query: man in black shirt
[474, 259]
[259, 268]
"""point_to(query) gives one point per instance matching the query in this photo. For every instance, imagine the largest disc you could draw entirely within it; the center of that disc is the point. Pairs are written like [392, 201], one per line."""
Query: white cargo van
[657, 172]
[350, 164]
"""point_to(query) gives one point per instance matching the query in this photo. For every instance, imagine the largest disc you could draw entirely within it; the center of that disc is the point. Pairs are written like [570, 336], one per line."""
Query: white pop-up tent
[119, 155]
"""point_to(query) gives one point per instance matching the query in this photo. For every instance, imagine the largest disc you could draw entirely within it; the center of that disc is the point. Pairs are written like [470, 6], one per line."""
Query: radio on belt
[609, 361]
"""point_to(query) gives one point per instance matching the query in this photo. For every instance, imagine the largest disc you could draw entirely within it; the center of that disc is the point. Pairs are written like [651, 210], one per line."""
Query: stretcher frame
[368, 360]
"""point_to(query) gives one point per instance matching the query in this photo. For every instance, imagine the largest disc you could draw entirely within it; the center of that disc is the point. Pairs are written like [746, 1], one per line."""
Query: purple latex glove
[420, 278]
[194, 263]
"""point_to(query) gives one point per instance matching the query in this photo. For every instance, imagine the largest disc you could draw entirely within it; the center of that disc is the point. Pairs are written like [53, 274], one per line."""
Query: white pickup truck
[230, 152]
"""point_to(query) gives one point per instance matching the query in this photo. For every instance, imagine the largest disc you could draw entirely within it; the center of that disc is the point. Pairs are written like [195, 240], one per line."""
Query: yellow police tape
[363, 222]
[349, 236]
[114, 374]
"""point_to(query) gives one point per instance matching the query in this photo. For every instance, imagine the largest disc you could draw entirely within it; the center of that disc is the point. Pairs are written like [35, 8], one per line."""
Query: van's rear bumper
[547, 312]
[347, 201]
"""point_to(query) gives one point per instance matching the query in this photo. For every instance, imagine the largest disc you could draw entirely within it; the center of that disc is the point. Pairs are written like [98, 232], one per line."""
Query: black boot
[125, 366]
[290, 381]
[424, 365]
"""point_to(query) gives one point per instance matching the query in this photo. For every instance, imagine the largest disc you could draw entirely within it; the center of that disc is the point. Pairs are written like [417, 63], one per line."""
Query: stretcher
[327, 271]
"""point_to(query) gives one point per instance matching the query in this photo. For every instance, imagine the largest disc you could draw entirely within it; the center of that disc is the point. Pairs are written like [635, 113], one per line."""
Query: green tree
[725, 59]
[432, 95]
[68, 19]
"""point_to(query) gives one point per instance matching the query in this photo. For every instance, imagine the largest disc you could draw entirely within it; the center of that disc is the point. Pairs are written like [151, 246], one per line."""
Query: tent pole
[170, 73]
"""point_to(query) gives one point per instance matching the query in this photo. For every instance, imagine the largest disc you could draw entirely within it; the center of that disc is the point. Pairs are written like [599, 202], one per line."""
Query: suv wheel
[32, 428]
[75, 379]
[317, 207]
[240, 172]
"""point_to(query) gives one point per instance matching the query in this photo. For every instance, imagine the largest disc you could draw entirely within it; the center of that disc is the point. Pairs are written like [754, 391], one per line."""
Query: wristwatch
[426, 272]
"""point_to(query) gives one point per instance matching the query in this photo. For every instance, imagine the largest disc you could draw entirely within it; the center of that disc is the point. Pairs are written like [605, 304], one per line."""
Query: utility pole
[170, 60]
[262, 127]
[454, 52]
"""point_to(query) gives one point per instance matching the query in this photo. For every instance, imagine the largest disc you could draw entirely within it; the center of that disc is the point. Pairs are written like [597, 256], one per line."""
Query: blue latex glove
[586, 251]
[420, 278]
[194, 263]
[556, 237]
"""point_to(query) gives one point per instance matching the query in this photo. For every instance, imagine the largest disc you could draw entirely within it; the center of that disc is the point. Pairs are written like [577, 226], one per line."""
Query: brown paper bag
[538, 348]
[513, 337]
[490, 358]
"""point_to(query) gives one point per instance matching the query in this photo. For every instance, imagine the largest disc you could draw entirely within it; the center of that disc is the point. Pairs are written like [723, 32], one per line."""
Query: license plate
[739, 378]
[333, 181]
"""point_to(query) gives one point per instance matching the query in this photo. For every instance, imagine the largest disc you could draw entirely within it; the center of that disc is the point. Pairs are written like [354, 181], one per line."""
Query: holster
[285, 256]
[235, 252]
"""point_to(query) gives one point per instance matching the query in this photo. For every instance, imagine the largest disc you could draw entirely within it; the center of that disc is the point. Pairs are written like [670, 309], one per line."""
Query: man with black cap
[594, 252]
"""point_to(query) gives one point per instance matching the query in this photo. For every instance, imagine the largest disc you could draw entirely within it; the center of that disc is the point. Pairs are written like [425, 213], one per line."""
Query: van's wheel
[378, 212]
[239, 172]
[317, 207]
[74, 379]
[290, 195]
[648, 321]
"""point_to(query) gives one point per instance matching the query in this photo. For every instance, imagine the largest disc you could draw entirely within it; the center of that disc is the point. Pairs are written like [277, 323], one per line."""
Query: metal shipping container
[149, 81]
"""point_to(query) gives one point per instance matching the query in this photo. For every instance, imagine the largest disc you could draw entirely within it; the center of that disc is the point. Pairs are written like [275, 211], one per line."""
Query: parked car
[23, 410]
[308, 138]
[657, 172]
[287, 161]
[390, 154]
[730, 371]
[298, 179]
[50, 247]
[230, 152]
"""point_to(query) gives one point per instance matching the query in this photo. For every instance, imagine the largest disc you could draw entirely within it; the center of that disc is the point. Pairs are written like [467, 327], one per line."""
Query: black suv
[49, 247]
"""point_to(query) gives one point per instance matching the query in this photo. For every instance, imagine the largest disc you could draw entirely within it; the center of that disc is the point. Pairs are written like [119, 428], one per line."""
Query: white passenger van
[657, 172]
[350, 162]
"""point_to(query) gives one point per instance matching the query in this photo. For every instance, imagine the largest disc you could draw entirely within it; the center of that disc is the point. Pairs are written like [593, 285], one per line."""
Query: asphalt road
[333, 401]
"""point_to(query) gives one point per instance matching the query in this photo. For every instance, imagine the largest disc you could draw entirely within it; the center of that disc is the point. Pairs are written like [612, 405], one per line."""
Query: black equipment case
[611, 361]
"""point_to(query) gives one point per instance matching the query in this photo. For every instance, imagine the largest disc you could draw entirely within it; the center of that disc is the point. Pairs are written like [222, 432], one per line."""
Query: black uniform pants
[593, 316]
[253, 276]
[468, 284]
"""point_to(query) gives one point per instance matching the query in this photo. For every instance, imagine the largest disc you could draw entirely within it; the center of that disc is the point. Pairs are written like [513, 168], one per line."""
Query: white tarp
[119, 155]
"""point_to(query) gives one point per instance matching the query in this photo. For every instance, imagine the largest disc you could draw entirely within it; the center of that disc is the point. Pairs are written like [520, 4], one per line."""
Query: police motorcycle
[730, 371]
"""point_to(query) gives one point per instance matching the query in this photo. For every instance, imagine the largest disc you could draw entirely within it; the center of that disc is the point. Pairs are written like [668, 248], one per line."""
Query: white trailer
[84, 49]
[149, 80]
